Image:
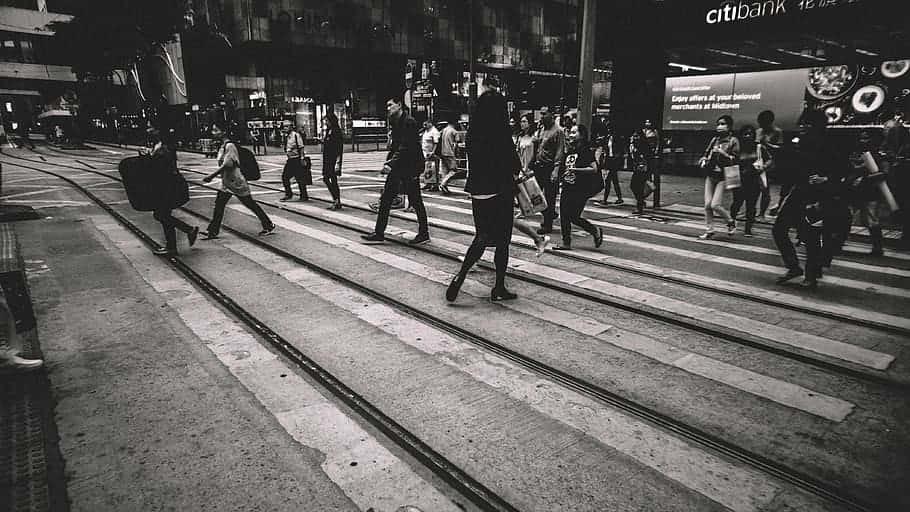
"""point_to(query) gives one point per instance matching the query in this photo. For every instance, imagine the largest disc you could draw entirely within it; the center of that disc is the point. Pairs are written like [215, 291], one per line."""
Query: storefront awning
[19, 92]
[55, 113]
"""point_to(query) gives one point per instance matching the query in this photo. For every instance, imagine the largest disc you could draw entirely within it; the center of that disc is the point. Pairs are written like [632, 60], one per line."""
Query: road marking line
[770, 388]
[723, 260]
[776, 296]
[727, 321]
[34, 192]
[738, 488]
[382, 480]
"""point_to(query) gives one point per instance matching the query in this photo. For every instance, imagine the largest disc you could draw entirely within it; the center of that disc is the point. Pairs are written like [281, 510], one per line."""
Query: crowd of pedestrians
[824, 184]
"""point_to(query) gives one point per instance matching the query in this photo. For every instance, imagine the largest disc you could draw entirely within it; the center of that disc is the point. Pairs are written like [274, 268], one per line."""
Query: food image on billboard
[849, 95]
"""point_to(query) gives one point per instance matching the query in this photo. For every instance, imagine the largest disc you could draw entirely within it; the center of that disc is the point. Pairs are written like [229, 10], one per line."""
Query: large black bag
[249, 167]
[149, 189]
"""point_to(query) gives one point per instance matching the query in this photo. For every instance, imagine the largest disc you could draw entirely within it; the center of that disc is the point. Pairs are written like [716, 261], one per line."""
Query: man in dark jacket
[404, 164]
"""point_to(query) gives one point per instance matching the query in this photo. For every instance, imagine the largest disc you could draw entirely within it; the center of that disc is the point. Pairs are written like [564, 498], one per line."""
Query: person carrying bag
[172, 192]
[721, 162]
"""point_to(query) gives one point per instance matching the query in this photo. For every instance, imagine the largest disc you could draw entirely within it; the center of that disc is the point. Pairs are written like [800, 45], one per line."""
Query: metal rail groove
[807, 310]
[692, 434]
[875, 377]
[465, 484]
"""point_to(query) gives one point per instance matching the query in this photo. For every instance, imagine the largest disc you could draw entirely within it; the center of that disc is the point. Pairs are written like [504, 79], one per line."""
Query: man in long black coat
[404, 164]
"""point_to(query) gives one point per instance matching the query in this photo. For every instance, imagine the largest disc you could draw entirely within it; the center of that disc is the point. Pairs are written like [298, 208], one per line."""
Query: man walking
[404, 165]
[293, 168]
[551, 156]
[447, 154]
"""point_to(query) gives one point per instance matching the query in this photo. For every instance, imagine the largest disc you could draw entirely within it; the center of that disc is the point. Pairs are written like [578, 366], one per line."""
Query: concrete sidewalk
[148, 418]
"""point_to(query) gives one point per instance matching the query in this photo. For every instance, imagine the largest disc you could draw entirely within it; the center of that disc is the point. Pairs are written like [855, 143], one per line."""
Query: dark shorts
[493, 218]
[716, 177]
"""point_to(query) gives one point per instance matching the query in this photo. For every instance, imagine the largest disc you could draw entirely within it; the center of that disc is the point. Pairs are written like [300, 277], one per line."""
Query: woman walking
[752, 156]
[494, 167]
[232, 183]
[164, 163]
[580, 181]
[525, 144]
[722, 151]
[332, 152]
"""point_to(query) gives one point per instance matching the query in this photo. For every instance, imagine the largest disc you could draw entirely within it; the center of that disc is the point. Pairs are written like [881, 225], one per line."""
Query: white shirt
[429, 140]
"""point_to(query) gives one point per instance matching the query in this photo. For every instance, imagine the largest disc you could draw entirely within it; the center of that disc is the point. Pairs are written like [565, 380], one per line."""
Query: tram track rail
[471, 489]
[845, 369]
[461, 481]
[806, 309]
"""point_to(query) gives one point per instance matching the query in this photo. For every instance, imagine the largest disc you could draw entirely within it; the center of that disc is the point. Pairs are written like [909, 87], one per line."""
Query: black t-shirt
[581, 159]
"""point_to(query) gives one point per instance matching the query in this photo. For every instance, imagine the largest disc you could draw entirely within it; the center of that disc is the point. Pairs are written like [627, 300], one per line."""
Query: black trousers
[221, 202]
[612, 178]
[493, 227]
[393, 185]
[571, 206]
[747, 195]
[171, 224]
[792, 215]
[550, 190]
[293, 169]
[638, 188]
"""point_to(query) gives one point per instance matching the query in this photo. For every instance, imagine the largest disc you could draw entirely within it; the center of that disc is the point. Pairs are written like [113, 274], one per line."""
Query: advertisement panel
[850, 95]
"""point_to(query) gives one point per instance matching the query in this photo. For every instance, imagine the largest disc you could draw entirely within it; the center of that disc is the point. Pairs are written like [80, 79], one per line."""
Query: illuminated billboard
[850, 95]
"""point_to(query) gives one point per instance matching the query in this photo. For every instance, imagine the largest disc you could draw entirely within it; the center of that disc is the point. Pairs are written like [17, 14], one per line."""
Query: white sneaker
[542, 245]
[11, 363]
[707, 235]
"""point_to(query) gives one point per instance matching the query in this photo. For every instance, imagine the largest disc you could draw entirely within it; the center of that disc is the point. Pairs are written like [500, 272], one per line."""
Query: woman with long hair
[232, 184]
[580, 181]
[332, 151]
[494, 168]
[523, 138]
[722, 151]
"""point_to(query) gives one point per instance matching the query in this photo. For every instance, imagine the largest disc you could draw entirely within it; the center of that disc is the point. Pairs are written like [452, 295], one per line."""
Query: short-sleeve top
[581, 159]
[232, 179]
[524, 144]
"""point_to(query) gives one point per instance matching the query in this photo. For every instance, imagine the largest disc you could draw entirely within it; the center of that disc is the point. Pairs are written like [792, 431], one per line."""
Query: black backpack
[248, 165]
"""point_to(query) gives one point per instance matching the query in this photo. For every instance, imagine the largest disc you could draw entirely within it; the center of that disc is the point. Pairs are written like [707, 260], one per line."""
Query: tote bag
[732, 177]
[530, 198]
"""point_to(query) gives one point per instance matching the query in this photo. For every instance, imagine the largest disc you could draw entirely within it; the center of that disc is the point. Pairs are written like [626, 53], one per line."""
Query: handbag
[530, 197]
[732, 177]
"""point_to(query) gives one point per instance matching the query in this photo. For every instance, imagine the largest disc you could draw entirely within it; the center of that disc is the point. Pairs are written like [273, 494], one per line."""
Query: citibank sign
[731, 11]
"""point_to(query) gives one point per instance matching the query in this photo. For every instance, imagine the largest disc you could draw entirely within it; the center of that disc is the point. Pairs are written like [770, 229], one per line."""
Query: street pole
[472, 86]
[586, 66]
[565, 49]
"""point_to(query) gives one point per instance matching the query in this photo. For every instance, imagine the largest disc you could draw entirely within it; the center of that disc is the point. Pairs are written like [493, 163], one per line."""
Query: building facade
[294, 59]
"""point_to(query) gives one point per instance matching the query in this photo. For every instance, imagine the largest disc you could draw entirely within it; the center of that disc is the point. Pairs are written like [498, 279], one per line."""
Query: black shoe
[191, 236]
[810, 283]
[454, 287]
[545, 229]
[598, 238]
[304, 198]
[164, 251]
[335, 206]
[286, 198]
[791, 274]
[373, 238]
[497, 295]
[421, 238]
[208, 235]
[877, 252]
